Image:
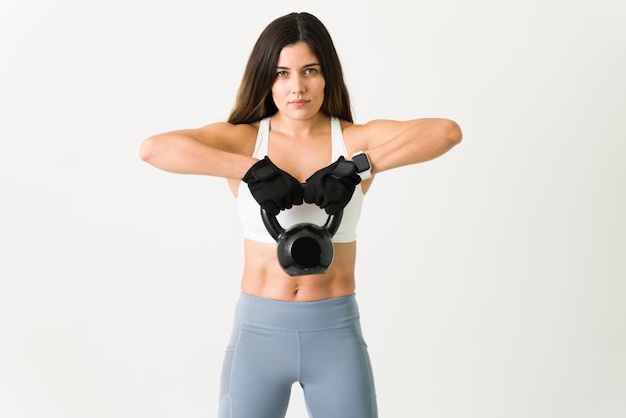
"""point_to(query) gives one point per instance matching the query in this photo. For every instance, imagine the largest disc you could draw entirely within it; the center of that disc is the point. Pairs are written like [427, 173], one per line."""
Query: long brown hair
[254, 98]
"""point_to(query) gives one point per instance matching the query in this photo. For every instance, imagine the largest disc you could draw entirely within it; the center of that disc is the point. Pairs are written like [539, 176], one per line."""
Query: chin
[301, 114]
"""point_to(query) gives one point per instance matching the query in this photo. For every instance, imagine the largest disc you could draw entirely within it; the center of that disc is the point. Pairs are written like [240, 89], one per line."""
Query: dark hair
[254, 98]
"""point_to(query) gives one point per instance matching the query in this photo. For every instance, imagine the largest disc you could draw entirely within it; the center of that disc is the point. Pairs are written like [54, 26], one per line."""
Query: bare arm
[221, 150]
[390, 144]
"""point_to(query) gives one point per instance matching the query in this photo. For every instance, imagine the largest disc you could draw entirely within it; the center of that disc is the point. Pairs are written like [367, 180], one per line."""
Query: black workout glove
[273, 188]
[331, 188]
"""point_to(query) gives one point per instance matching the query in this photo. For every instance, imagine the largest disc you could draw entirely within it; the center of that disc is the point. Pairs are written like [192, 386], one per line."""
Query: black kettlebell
[304, 248]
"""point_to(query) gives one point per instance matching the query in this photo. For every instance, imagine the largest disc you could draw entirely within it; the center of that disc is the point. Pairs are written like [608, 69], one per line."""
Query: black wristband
[261, 171]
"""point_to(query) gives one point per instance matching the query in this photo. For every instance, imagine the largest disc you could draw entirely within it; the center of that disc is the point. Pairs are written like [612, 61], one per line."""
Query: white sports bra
[249, 209]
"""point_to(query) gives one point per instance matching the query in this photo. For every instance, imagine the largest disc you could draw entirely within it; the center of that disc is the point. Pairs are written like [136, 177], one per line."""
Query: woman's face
[298, 90]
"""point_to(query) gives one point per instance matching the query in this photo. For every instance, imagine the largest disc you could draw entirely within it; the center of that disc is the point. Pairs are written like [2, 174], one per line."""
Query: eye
[311, 71]
[281, 73]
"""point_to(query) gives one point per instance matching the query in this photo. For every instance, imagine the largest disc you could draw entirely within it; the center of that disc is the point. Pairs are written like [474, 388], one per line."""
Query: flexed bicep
[390, 144]
[221, 150]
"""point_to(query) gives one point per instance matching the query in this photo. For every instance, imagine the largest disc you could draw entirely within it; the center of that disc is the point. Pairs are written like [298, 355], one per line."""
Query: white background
[491, 281]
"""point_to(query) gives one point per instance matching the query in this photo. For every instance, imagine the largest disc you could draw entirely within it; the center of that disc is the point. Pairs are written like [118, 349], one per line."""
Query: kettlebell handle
[276, 230]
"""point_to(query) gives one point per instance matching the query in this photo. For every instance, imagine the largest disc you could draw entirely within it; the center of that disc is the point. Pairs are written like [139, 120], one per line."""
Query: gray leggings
[317, 344]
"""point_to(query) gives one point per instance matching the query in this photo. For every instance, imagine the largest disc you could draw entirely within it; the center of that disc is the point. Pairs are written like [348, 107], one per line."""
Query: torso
[263, 277]
[262, 274]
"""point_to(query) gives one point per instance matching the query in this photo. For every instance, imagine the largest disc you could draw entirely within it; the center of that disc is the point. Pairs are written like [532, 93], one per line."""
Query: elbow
[452, 132]
[146, 149]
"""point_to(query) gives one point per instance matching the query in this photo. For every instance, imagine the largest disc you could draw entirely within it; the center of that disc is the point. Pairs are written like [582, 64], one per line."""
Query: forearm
[420, 141]
[180, 154]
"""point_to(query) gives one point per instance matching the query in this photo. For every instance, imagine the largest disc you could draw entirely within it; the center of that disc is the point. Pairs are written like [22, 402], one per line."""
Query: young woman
[288, 147]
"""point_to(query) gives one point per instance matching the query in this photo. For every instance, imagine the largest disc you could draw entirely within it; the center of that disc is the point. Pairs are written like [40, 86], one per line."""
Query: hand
[331, 188]
[273, 188]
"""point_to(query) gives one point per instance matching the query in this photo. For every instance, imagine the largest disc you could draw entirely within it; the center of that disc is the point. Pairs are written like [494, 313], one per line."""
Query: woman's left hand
[332, 187]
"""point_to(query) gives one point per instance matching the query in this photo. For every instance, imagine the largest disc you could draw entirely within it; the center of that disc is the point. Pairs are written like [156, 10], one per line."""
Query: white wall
[491, 281]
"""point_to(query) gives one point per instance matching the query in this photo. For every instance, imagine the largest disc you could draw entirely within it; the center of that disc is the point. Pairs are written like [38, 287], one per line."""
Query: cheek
[322, 85]
[281, 90]
[322, 89]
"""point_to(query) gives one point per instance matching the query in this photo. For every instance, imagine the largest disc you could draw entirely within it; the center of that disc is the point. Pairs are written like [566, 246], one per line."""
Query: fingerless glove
[273, 188]
[331, 188]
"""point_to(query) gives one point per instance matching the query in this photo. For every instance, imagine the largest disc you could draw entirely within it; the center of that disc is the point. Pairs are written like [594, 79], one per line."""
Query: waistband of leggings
[323, 314]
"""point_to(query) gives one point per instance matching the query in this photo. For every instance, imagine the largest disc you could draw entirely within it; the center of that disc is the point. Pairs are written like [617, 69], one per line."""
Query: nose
[297, 86]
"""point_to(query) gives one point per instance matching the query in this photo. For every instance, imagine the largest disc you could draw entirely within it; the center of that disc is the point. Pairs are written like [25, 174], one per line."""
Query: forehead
[297, 54]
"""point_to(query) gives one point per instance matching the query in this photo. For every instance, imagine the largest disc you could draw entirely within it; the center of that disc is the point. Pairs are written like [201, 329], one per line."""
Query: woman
[288, 147]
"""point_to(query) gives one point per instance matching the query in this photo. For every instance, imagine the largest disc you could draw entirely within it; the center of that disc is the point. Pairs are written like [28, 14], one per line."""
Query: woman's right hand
[273, 188]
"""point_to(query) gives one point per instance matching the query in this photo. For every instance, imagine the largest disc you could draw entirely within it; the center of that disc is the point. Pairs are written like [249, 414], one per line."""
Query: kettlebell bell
[304, 248]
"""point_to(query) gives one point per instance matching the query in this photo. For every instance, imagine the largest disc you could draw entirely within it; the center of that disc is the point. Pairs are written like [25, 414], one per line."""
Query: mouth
[299, 103]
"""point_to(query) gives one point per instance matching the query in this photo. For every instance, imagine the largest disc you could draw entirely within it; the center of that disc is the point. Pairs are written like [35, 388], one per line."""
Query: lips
[299, 103]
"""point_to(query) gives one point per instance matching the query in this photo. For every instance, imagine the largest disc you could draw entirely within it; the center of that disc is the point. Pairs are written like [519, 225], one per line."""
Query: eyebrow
[304, 66]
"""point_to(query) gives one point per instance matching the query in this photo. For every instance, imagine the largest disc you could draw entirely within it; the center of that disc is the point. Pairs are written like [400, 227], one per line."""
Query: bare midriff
[263, 276]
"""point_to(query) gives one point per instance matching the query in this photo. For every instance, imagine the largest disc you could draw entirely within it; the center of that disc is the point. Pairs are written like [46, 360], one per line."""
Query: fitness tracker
[363, 166]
